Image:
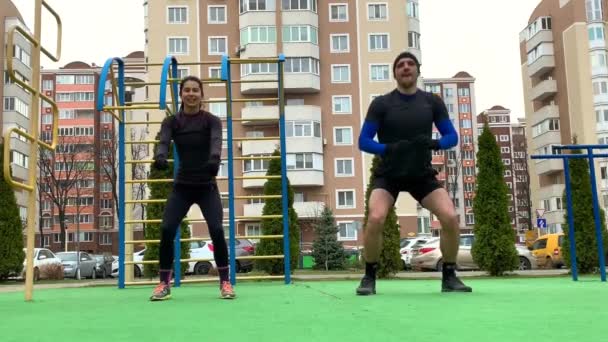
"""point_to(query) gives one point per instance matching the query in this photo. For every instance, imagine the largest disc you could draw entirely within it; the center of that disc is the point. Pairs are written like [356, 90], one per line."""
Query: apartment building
[456, 167]
[339, 56]
[565, 79]
[511, 140]
[85, 161]
[16, 101]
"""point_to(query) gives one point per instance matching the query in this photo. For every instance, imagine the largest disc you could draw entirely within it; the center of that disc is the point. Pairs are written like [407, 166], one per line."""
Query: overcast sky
[477, 36]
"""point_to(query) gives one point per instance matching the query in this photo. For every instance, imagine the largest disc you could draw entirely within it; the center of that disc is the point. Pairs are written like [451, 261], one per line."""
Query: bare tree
[61, 172]
[139, 172]
[109, 166]
[453, 172]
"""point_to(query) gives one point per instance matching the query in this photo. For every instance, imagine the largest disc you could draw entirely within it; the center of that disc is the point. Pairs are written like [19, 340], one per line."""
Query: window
[469, 219]
[378, 41]
[216, 14]
[304, 161]
[347, 231]
[412, 9]
[464, 107]
[596, 32]
[303, 129]
[260, 68]
[379, 72]
[594, 10]
[15, 104]
[300, 34]
[345, 199]
[295, 5]
[218, 109]
[256, 5]
[20, 159]
[177, 15]
[464, 92]
[106, 203]
[298, 197]
[343, 136]
[258, 34]
[253, 229]
[339, 43]
[504, 137]
[105, 239]
[553, 125]
[340, 73]
[215, 72]
[47, 84]
[301, 65]
[338, 12]
[253, 165]
[377, 12]
[341, 104]
[466, 123]
[413, 40]
[344, 167]
[178, 46]
[424, 225]
[217, 45]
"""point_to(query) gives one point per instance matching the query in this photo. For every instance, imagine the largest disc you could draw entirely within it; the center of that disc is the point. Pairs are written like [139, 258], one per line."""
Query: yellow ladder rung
[142, 103]
[142, 141]
[143, 123]
[141, 181]
[109, 108]
[256, 119]
[255, 158]
[258, 217]
[256, 99]
[201, 280]
[252, 257]
[159, 221]
[250, 177]
[135, 242]
[255, 81]
[144, 161]
[255, 138]
[260, 237]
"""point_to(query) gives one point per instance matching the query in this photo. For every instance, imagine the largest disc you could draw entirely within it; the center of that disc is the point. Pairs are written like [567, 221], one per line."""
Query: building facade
[338, 57]
[565, 78]
[16, 101]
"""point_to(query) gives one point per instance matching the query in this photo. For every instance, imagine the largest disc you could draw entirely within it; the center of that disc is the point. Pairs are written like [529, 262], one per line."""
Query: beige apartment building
[339, 56]
[565, 78]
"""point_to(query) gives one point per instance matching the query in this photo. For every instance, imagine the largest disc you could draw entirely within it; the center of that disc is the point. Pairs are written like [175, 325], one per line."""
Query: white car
[406, 249]
[42, 256]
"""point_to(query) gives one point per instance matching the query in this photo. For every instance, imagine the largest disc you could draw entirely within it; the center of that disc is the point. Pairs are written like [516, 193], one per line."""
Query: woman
[197, 135]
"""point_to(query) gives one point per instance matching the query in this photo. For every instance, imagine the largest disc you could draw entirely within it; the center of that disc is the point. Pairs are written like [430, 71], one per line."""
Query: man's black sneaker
[451, 283]
[367, 286]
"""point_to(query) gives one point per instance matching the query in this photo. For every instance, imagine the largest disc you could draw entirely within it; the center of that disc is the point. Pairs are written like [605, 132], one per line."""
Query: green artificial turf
[510, 309]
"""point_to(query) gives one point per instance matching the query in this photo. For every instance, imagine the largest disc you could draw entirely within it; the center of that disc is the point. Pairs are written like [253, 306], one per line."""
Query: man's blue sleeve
[366, 139]
[449, 136]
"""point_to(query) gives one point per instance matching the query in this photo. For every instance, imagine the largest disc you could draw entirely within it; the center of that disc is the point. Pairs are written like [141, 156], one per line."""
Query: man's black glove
[213, 166]
[160, 164]
[424, 142]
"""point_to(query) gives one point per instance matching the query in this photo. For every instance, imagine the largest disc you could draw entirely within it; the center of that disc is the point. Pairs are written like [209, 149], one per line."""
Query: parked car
[42, 256]
[406, 248]
[104, 265]
[547, 250]
[429, 256]
[243, 248]
[86, 268]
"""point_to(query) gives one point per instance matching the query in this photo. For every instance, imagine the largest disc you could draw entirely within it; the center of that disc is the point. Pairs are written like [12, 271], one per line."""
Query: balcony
[555, 190]
[257, 18]
[542, 36]
[258, 147]
[19, 173]
[303, 209]
[547, 138]
[548, 166]
[555, 216]
[544, 90]
[255, 50]
[20, 145]
[546, 112]
[296, 178]
[300, 18]
[295, 83]
[541, 66]
[297, 112]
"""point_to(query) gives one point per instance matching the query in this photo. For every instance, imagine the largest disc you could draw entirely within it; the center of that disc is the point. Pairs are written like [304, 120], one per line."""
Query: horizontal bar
[142, 181]
[579, 147]
[255, 158]
[214, 101]
[256, 99]
[218, 63]
[141, 83]
[143, 123]
[256, 119]
[146, 201]
[142, 103]
[160, 221]
[258, 217]
[144, 161]
[569, 156]
[110, 108]
[254, 81]
[249, 177]
[255, 138]
[135, 242]
[201, 280]
[252, 60]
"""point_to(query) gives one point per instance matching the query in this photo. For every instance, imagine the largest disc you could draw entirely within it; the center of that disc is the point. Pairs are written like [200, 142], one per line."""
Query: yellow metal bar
[256, 119]
[110, 108]
[253, 60]
[257, 158]
[212, 81]
[201, 280]
[57, 55]
[145, 201]
[249, 177]
[141, 83]
[260, 237]
[254, 81]
[267, 99]
[142, 103]
[256, 138]
[147, 181]
[258, 217]
[146, 161]
[249, 218]
[114, 96]
[214, 101]
[144, 123]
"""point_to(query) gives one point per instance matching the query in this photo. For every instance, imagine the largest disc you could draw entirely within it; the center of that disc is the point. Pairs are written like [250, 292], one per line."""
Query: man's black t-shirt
[198, 138]
[405, 117]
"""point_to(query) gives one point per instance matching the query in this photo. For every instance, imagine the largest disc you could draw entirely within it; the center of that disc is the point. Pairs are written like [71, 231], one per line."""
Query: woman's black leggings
[181, 199]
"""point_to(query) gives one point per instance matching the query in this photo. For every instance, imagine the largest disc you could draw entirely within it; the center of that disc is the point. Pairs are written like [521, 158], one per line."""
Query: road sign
[540, 212]
[541, 223]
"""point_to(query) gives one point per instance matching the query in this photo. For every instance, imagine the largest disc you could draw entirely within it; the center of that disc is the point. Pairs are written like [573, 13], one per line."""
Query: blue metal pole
[570, 220]
[596, 216]
[284, 189]
[121, 155]
[226, 76]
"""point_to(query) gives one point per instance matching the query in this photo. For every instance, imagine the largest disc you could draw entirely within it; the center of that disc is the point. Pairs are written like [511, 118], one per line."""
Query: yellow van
[547, 250]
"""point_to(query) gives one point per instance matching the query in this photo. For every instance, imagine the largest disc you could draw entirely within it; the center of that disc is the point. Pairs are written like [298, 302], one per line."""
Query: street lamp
[66, 234]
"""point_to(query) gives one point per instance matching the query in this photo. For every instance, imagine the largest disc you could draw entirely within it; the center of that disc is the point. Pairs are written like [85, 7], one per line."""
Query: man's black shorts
[419, 188]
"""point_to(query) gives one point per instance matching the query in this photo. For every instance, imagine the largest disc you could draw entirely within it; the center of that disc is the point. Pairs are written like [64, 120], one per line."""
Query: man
[403, 120]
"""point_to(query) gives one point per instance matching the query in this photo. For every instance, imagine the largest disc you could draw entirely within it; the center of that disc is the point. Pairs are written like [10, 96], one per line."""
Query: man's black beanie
[406, 54]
